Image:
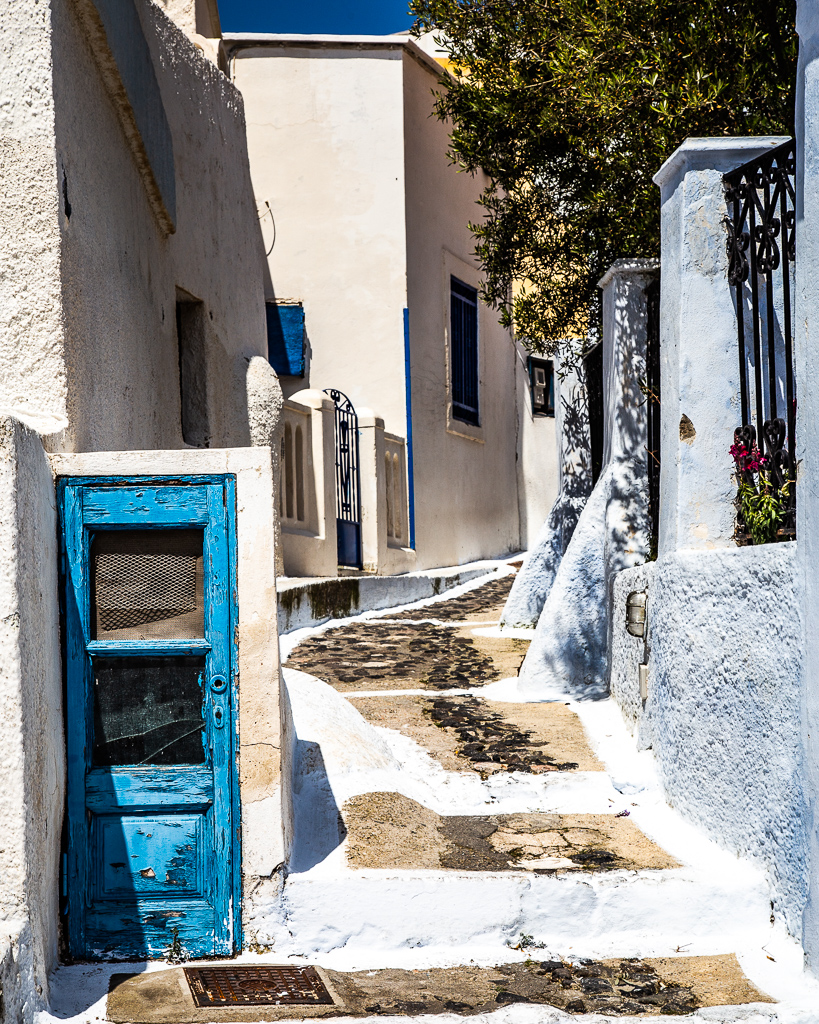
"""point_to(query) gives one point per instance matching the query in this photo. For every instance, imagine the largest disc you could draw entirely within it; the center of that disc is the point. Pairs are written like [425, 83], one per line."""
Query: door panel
[152, 815]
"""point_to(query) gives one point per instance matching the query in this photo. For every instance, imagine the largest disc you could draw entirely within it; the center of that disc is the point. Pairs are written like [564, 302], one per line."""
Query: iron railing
[761, 252]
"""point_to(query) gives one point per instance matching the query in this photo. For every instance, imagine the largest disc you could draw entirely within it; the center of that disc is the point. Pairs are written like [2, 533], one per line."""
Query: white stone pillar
[698, 344]
[806, 363]
[373, 490]
[315, 552]
[625, 333]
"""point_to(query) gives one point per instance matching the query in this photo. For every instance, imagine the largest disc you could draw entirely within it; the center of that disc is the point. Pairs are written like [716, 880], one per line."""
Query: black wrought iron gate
[761, 252]
[348, 481]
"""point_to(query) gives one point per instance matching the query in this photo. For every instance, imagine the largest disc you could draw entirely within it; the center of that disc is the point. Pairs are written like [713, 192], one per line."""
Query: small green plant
[526, 942]
[177, 953]
[762, 509]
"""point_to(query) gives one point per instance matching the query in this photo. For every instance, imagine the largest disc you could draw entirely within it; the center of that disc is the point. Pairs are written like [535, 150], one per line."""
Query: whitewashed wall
[723, 645]
[806, 360]
[569, 649]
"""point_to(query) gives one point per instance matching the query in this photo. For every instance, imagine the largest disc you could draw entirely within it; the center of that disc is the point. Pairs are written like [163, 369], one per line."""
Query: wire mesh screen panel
[147, 585]
[348, 481]
[761, 225]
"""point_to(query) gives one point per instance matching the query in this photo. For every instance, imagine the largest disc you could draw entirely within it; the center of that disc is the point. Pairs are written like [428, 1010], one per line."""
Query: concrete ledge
[310, 602]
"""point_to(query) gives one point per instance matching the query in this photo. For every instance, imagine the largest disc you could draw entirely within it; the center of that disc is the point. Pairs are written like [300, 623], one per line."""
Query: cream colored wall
[466, 503]
[326, 152]
[120, 272]
[537, 461]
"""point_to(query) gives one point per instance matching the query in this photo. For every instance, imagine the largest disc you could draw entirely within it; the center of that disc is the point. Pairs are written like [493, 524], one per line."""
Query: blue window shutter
[464, 351]
[285, 338]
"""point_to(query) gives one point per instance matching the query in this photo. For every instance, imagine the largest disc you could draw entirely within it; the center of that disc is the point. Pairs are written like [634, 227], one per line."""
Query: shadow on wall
[318, 825]
[534, 581]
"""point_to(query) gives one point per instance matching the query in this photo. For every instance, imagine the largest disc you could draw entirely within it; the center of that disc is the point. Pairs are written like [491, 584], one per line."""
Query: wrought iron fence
[761, 251]
[348, 480]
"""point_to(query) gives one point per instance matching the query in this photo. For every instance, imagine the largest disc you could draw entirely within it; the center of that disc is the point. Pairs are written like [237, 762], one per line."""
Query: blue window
[285, 338]
[464, 351]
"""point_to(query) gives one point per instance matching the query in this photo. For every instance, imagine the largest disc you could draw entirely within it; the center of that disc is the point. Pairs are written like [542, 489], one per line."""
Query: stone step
[374, 914]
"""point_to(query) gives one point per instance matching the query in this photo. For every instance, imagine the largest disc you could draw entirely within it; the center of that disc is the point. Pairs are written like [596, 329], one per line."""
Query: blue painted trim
[147, 648]
[410, 460]
[107, 924]
[236, 831]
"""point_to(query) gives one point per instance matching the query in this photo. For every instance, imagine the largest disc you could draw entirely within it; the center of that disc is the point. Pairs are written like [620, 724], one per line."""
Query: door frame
[227, 483]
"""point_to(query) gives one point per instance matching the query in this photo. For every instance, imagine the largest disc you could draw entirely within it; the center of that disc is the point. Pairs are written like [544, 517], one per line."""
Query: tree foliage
[570, 107]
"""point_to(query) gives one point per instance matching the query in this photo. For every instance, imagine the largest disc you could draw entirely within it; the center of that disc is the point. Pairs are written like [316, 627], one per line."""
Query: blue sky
[370, 17]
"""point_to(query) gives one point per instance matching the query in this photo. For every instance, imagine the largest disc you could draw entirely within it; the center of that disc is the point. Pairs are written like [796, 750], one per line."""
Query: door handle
[218, 684]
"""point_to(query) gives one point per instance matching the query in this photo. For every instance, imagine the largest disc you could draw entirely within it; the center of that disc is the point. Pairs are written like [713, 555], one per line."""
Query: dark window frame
[546, 407]
[464, 352]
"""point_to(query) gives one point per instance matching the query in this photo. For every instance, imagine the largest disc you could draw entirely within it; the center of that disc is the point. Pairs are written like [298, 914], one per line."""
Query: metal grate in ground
[257, 986]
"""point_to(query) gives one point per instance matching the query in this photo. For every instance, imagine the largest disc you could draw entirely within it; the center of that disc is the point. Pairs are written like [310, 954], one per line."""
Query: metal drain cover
[257, 986]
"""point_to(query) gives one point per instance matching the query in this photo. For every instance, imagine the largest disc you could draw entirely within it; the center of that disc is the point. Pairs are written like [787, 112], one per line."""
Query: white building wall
[325, 138]
[537, 455]
[465, 476]
[120, 271]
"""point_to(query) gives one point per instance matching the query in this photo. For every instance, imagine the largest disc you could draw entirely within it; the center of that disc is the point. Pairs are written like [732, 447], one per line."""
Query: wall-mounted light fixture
[636, 613]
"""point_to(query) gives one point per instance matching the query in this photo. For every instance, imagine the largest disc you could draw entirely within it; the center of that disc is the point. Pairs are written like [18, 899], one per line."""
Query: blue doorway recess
[152, 860]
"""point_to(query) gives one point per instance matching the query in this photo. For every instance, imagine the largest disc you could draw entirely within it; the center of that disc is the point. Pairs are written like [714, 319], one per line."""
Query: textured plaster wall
[32, 369]
[806, 362]
[538, 456]
[371, 218]
[723, 707]
[698, 347]
[534, 580]
[31, 746]
[119, 271]
[569, 650]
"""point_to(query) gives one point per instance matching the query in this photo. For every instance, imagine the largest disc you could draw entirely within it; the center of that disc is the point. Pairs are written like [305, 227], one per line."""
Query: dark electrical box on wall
[542, 383]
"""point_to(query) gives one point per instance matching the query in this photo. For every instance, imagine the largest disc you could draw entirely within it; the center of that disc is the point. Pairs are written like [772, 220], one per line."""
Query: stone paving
[436, 648]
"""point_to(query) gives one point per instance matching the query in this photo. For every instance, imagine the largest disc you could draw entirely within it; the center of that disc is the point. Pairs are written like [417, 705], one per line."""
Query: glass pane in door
[148, 711]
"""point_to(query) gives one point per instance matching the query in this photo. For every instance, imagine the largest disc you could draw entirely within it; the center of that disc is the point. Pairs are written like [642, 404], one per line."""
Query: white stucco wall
[371, 219]
[698, 348]
[534, 580]
[723, 709]
[806, 363]
[32, 755]
[32, 359]
[119, 271]
[569, 649]
[325, 137]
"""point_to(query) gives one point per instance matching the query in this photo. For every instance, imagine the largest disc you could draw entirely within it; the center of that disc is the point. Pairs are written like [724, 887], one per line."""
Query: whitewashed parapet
[698, 344]
[306, 499]
[384, 516]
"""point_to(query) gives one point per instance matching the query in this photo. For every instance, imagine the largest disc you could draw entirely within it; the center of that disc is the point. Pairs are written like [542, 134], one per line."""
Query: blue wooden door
[152, 859]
